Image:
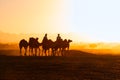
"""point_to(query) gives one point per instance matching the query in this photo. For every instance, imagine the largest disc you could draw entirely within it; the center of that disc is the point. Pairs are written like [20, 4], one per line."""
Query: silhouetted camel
[23, 44]
[49, 46]
[45, 47]
[55, 47]
[65, 45]
[61, 46]
[58, 46]
[34, 44]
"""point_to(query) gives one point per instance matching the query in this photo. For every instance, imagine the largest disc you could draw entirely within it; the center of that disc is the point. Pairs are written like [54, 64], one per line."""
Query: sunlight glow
[97, 21]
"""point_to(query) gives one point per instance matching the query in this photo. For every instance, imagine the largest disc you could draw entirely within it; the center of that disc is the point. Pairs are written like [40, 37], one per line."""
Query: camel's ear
[71, 41]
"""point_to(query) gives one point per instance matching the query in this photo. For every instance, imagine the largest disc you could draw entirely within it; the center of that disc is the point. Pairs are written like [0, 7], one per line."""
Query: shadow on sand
[78, 66]
[72, 53]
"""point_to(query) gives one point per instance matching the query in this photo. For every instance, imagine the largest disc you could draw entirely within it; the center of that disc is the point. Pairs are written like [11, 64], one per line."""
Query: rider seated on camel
[45, 39]
[58, 38]
[37, 40]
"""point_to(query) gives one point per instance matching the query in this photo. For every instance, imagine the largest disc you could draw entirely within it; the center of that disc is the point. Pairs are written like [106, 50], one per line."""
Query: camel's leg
[42, 52]
[59, 52]
[68, 51]
[53, 52]
[29, 51]
[39, 51]
[20, 51]
[48, 52]
[25, 51]
[32, 51]
[45, 52]
[62, 52]
[35, 51]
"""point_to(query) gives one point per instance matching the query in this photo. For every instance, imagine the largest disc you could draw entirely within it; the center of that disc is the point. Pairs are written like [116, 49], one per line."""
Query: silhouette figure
[34, 44]
[53, 48]
[23, 44]
[45, 45]
[58, 38]
[48, 46]
[58, 45]
[45, 39]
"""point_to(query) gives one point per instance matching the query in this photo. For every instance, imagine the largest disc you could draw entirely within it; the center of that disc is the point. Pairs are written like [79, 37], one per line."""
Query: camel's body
[23, 44]
[34, 44]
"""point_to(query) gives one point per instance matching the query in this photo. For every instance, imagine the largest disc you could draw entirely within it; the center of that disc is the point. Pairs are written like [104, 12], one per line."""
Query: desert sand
[77, 66]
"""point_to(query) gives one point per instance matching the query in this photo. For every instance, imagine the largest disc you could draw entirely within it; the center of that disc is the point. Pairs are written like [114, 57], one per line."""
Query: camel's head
[69, 40]
[37, 38]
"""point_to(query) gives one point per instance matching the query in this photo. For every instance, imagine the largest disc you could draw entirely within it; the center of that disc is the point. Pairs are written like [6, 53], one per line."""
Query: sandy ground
[77, 66]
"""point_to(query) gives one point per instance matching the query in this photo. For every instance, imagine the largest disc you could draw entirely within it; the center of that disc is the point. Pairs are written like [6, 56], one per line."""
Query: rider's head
[58, 34]
[46, 35]
[37, 38]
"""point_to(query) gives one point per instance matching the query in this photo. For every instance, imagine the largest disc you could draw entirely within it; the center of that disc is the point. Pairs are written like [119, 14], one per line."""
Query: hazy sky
[97, 19]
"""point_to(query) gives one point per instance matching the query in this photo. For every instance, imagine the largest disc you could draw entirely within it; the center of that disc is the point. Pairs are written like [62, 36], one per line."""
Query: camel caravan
[46, 48]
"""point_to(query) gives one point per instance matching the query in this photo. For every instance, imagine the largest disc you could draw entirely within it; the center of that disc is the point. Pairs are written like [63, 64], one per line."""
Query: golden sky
[28, 16]
[85, 18]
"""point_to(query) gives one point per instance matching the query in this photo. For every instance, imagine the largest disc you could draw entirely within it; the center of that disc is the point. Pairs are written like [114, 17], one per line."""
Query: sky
[98, 20]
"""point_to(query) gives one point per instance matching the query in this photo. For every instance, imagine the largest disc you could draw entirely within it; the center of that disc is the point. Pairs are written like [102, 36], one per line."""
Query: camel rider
[58, 38]
[37, 40]
[45, 39]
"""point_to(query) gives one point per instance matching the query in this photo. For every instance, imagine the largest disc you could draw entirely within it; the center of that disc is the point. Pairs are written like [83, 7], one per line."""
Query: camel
[34, 44]
[23, 44]
[46, 46]
[56, 47]
[65, 45]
